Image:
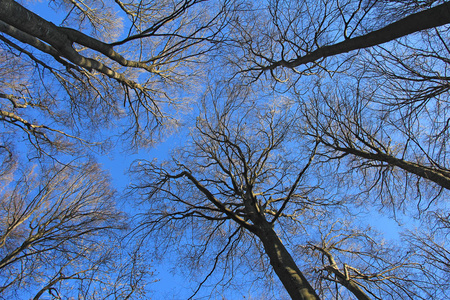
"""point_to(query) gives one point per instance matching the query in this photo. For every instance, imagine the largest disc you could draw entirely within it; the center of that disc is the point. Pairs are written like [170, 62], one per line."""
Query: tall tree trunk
[430, 18]
[351, 285]
[438, 176]
[282, 262]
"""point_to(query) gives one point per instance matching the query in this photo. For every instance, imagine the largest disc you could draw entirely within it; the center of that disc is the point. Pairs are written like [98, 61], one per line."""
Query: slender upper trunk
[282, 262]
[430, 18]
[29, 28]
[351, 285]
[438, 176]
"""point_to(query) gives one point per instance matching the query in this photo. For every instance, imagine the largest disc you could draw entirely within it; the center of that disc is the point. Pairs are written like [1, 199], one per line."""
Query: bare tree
[377, 119]
[262, 180]
[237, 180]
[250, 180]
[392, 153]
[126, 70]
[108, 71]
[368, 266]
[289, 38]
[389, 119]
[375, 103]
[60, 235]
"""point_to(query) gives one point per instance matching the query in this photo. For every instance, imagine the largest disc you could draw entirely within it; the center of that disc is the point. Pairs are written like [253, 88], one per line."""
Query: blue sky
[118, 162]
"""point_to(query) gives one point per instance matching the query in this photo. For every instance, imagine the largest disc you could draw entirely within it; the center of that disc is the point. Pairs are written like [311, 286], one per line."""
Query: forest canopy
[266, 144]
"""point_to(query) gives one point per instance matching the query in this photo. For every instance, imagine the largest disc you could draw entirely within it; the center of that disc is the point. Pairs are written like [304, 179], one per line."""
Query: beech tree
[60, 236]
[388, 146]
[237, 183]
[395, 88]
[105, 67]
[233, 173]
[382, 111]
[351, 68]
[108, 71]
[393, 114]
[307, 37]
[106, 63]
[314, 114]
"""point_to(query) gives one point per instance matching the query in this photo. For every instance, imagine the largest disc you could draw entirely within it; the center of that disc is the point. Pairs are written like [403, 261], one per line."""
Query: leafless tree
[238, 155]
[235, 181]
[307, 37]
[250, 180]
[393, 153]
[374, 103]
[108, 62]
[109, 70]
[371, 83]
[265, 178]
[60, 236]
[368, 266]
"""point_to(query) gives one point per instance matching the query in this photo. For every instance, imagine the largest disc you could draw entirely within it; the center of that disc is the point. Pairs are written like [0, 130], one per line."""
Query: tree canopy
[300, 127]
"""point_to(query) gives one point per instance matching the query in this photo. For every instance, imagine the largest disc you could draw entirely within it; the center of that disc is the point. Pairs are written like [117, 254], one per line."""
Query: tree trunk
[438, 176]
[293, 280]
[351, 285]
[430, 18]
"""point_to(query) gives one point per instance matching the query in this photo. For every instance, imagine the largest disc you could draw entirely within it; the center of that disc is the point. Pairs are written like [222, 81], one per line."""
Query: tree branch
[430, 18]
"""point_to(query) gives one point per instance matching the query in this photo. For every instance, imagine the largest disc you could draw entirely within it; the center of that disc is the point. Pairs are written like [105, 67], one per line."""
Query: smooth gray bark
[438, 176]
[284, 265]
[28, 27]
[430, 18]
